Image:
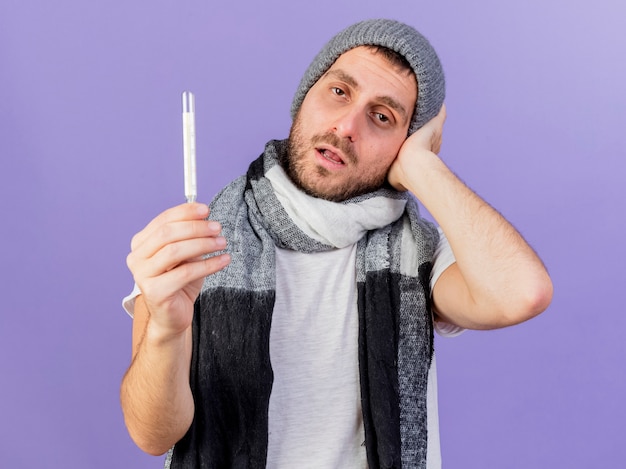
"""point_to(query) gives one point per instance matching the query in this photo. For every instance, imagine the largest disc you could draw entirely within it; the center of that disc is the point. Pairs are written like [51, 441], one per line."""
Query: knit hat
[393, 35]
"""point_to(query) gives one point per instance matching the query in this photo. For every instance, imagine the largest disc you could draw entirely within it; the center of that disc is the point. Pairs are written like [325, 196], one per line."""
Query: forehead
[374, 62]
[386, 58]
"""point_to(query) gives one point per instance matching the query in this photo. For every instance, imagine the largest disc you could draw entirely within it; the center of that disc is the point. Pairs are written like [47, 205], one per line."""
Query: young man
[304, 337]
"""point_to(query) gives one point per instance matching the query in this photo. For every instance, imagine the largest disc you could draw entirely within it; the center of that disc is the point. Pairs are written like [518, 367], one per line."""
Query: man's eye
[381, 117]
[338, 91]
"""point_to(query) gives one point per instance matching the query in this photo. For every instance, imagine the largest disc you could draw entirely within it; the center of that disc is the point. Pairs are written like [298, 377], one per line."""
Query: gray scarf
[231, 374]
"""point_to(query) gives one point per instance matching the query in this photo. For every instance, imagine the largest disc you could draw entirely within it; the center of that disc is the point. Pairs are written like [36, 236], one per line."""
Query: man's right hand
[168, 264]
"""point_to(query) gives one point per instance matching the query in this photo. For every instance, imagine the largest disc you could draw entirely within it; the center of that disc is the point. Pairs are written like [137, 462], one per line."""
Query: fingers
[178, 236]
[172, 281]
[174, 232]
[436, 143]
[435, 127]
[442, 113]
[183, 212]
[174, 254]
[178, 245]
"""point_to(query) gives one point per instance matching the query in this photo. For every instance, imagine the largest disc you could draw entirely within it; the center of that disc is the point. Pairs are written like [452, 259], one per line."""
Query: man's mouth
[330, 156]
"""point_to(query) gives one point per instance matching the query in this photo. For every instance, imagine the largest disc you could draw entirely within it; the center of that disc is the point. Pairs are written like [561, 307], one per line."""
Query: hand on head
[426, 140]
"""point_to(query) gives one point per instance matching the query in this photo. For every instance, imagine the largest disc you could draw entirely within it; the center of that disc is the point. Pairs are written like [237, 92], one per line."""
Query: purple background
[90, 145]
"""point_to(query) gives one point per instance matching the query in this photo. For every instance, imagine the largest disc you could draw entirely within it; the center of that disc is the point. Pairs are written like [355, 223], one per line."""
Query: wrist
[159, 336]
[415, 171]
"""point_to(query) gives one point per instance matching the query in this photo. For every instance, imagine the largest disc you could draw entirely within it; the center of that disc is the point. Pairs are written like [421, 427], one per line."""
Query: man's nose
[347, 123]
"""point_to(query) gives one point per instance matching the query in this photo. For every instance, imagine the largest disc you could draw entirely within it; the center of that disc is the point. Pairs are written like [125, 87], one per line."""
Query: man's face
[351, 126]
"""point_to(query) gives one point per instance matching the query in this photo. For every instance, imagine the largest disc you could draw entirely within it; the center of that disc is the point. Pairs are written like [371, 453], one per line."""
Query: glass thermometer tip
[189, 145]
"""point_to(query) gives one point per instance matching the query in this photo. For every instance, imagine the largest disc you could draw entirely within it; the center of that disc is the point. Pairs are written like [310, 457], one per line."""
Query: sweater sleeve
[444, 258]
[128, 302]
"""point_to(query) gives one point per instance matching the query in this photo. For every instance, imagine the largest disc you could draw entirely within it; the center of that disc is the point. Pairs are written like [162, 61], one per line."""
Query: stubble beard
[294, 163]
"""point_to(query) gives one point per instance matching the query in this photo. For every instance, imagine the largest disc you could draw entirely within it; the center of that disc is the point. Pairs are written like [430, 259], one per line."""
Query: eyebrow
[388, 100]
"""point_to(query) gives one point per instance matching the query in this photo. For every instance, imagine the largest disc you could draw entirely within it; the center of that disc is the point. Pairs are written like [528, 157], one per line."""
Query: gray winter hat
[393, 35]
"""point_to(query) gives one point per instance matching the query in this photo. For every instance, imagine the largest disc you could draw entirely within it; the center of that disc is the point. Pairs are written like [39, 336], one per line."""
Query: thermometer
[189, 145]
